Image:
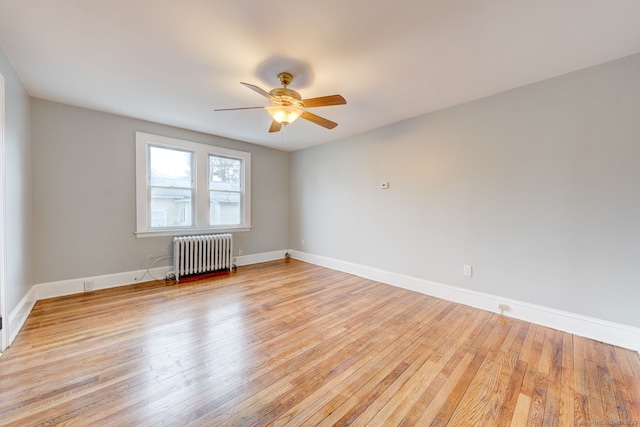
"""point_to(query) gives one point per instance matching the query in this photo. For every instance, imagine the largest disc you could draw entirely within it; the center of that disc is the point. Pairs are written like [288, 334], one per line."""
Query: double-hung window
[184, 187]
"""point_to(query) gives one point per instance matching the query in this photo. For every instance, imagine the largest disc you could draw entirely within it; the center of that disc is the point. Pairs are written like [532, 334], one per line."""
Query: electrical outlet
[467, 270]
[302, 242]
[240, 252]
[88, 285]
[503, 307]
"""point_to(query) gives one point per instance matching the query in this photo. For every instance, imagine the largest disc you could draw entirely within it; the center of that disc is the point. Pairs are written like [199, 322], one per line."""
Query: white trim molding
[19, 314]
[5, 339]
[601, 330]
[258, 258]
[76, 286]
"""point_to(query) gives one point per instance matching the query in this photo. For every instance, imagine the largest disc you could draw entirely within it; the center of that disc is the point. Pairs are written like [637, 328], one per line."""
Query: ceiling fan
[286, 105]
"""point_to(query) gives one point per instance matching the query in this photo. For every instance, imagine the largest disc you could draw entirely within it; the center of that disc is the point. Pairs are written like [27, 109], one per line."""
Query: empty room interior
[319, 213]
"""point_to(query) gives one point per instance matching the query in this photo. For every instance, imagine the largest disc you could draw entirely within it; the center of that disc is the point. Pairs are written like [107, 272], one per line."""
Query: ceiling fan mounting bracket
[285, 78]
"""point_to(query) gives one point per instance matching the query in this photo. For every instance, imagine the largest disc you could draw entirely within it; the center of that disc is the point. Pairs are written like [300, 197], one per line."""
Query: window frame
[200, 175]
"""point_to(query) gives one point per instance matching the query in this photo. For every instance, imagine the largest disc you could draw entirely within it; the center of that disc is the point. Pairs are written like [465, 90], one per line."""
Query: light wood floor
[288, 343]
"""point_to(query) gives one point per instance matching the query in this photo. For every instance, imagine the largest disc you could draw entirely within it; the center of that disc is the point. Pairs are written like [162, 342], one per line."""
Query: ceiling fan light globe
[284, 114]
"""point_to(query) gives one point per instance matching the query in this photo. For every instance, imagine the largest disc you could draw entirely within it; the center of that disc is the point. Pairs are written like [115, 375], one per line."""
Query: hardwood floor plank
[567, 393]
[536, 410]
[521, 411]
[553, 398]
[531, 353]
[623, 385]
[507, 411]
[504, 412]
[293, 344]
[594, 396]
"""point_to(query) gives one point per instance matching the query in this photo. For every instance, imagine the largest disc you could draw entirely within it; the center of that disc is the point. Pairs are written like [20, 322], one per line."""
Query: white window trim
[200, 174]
[5, 337]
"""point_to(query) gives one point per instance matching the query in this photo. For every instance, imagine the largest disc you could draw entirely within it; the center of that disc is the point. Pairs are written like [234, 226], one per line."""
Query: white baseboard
[75, 286]
[261, 257]
[19, 314]
[601, 330]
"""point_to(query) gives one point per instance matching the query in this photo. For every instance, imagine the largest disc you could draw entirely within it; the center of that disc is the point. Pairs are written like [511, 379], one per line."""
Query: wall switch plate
[467, 270]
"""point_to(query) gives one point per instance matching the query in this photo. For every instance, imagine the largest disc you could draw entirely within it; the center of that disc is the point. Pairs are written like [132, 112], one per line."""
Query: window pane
[170, 168]
[224, 173]
[224, 208]
[170, 207]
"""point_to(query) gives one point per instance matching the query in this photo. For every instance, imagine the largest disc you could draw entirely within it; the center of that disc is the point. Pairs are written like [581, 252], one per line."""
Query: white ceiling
[174, 62]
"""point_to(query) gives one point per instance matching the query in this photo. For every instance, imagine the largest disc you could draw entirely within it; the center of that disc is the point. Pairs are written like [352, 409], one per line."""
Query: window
[224, 190]
[184, 187]
[171, 187]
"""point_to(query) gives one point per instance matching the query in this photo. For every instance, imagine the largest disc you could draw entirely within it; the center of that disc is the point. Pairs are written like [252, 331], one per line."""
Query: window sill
[189, 231]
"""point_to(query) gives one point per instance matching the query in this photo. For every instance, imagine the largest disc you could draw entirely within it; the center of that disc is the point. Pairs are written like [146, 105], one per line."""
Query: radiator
[202, 254]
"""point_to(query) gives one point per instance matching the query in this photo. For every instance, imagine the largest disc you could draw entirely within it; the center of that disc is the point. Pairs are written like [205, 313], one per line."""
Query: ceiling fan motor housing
[285, 97]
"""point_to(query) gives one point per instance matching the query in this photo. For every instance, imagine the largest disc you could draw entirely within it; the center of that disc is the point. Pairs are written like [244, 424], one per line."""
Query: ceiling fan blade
[241, 108]
[324, 101]
[275, 126]
[257, 89]
[318, 120]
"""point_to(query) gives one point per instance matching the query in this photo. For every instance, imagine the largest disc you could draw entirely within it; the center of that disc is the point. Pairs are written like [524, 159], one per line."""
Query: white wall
[18, 185]
[538, 188]
[84, 193]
